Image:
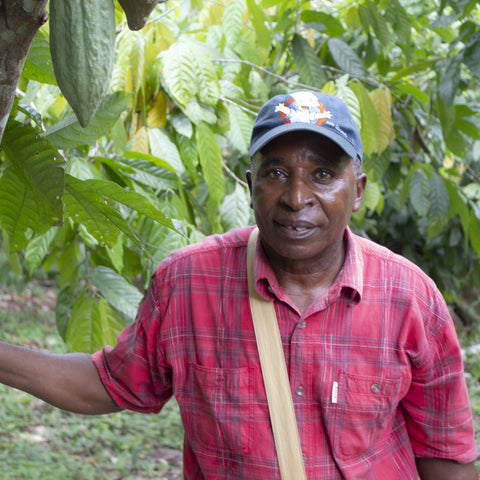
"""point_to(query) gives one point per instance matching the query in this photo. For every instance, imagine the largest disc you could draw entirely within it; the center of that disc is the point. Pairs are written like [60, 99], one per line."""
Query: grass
[38, 441]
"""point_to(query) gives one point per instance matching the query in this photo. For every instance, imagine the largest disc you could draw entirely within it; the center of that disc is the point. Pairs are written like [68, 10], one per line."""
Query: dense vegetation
[162, 162]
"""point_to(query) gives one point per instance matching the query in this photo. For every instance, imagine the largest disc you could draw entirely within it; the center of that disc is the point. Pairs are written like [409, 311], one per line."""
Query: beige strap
[275, 377]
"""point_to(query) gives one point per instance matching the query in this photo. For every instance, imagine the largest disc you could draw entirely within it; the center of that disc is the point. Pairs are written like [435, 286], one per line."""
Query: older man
[373, 359]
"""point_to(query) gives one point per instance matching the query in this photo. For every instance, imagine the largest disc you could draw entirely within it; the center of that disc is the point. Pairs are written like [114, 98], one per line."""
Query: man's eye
[275, 173]
[323, 175]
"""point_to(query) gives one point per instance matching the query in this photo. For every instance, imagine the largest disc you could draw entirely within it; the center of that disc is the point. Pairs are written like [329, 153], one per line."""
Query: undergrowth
[38, 441]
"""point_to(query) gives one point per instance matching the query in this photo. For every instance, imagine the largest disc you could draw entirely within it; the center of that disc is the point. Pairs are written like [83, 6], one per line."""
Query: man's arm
[440, 469]
[68, 381]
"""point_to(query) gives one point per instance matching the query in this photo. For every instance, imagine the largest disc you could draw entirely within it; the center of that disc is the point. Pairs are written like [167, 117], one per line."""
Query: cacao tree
[161, 161]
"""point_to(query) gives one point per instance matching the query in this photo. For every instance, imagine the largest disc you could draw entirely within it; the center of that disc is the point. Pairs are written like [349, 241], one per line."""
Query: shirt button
[300, 391]
[375, 387]
[302, 324]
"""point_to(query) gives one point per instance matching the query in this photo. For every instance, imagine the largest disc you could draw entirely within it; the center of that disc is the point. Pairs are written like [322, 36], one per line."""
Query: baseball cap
[318, 112]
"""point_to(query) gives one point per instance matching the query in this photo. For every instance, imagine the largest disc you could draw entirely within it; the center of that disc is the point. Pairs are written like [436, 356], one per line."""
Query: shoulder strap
[275, 377]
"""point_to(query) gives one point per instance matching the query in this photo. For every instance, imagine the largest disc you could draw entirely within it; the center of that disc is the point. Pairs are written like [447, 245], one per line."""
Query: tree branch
[19, 22]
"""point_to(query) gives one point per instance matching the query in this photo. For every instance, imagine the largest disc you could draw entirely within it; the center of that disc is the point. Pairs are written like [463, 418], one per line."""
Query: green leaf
[378, 23]
[475, 231]
[84, 328]
[38, 65]
[163, 148]
[69, 134]
[63, 307]
[86, 206]
[308, 64]
[112, 191]
[382, 100]
[471, 55]
[18, 211]
[259, 21]
[232, 22]
[211, 161]
[373, 198]
[345, 57]
[179, 75]
[117, 291]
[369, 121]
[112, 323]
[439, 198]
[235, 209]
[39, 167]
[38, 248]
[240, 130]
[323, 22]
[398, 16]
[419, 193]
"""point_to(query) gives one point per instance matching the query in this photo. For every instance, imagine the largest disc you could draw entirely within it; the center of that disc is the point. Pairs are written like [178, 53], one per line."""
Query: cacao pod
[82, 44]
[138, 11]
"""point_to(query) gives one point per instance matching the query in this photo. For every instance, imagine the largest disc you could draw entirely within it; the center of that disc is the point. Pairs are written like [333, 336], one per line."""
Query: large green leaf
[377, 22]
[117, 291]
[179, 75]
[92, 325]
[471, 55]
[323, 22]
[439, 198]
[232, 23]
[211, 161]
[38, 248]
[18, 211]
[162, 147]
[40, 168]
[38, 65]
[240, 130]
[135, 201]
[345, 57]
[84, 205]
[69, 134]
[370, 127]
[308, 64]
[235, 209]
[419, 193]
[475, 231]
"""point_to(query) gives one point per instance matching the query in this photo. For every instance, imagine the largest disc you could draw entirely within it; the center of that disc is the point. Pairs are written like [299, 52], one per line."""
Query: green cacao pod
[138, 11]
[82, 44]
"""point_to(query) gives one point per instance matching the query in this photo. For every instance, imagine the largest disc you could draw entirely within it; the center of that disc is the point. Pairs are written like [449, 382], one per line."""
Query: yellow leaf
[157, 115]
[140, 142]
[382, 101]
[330, 88]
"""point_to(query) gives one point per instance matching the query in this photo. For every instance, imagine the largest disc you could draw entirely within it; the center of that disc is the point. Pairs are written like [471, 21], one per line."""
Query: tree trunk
[19, 22]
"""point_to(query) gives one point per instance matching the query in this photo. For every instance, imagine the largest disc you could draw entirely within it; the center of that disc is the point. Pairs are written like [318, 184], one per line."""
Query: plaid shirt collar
[349, 282]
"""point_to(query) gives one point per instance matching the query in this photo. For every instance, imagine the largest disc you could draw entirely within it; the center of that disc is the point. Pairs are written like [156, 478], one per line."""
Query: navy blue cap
[317, 112]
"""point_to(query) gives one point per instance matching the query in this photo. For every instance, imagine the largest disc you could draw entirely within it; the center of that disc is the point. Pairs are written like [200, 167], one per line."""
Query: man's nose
[297, 194]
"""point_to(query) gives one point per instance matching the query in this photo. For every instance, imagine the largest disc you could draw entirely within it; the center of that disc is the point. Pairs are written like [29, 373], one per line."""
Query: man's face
[303, 191]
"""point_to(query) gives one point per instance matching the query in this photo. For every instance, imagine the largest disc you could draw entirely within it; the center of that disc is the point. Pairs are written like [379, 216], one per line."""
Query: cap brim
[342, 142]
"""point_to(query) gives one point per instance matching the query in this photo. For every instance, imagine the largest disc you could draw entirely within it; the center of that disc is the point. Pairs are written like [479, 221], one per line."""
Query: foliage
[163, 160]
[39, 441]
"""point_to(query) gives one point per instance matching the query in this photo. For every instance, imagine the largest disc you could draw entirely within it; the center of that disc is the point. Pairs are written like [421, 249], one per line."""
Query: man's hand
[440, 469]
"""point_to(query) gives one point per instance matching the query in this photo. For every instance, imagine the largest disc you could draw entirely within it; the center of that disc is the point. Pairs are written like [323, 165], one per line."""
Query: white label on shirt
[334, 392]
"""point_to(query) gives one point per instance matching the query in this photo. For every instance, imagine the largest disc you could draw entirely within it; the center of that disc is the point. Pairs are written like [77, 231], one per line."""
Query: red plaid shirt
[375, 366]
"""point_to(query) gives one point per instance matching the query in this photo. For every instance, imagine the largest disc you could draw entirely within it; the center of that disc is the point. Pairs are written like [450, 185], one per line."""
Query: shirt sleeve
[437, 406]
[134, 372]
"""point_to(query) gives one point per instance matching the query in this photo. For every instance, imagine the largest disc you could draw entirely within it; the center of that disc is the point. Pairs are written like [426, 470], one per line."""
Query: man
[373, 360]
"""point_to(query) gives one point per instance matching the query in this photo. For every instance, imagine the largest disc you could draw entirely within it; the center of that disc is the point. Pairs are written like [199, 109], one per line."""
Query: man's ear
[360, 185]
[248, 176]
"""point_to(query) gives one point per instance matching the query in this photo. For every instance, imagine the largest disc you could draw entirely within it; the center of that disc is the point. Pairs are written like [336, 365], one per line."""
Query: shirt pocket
[217, 408]
[364, 413]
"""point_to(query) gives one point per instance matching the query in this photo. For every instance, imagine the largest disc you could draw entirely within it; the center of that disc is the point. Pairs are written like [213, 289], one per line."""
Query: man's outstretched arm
[439, 469]
[68, 381]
